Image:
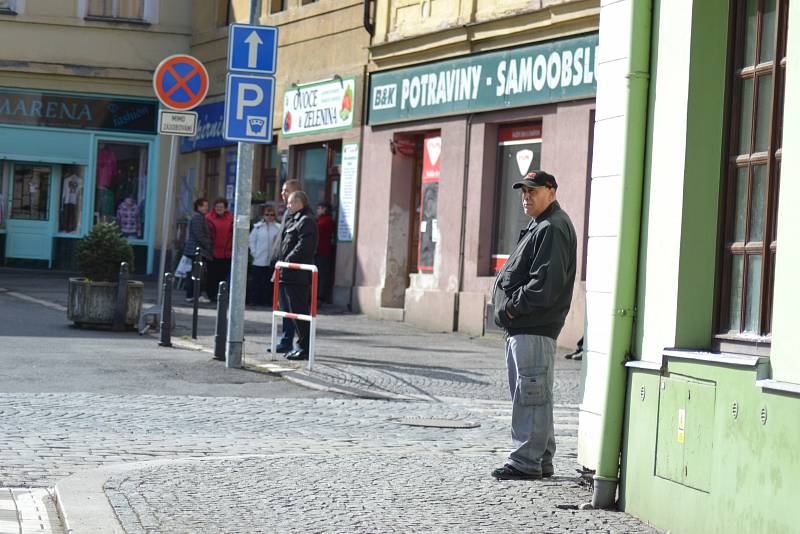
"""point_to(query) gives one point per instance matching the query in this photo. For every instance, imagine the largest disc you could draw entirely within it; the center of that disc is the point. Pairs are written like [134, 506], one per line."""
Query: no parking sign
[180, 82]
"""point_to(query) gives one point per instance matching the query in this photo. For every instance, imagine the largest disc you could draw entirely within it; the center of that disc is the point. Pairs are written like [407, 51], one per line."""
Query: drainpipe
[606, 478]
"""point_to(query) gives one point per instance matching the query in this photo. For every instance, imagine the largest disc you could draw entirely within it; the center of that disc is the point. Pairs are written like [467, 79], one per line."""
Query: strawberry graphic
[347, 103]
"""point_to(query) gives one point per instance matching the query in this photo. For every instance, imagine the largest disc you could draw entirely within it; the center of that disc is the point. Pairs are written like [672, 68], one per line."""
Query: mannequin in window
[106, 169]
[70, 198]
[129, 218]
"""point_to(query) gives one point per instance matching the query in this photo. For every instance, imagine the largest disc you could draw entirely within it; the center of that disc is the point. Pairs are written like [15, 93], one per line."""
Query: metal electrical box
[685, 440]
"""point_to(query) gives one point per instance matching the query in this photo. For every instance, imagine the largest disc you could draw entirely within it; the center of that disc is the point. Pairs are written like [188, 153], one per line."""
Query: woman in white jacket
[263, 237]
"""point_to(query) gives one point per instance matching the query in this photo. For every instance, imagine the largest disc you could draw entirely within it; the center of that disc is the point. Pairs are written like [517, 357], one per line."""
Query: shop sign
[319, 107]
[86, 113]
[348, 184]
[209, 129]
[537, 74]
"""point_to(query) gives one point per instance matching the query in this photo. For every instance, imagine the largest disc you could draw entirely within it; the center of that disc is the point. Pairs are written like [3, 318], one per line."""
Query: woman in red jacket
[220, 227]
[325, 248]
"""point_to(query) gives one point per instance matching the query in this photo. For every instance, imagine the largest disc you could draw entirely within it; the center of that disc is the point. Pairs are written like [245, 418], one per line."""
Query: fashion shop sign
[547, 72]
[83, 112]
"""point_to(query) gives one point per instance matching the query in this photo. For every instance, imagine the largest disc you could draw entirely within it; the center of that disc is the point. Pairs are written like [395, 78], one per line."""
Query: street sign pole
[241, 229]
[166, 220]
[234, 351]
[180, 82]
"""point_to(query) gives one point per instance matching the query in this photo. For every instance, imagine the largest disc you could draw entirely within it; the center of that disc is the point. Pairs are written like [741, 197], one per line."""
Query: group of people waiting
[299, 238]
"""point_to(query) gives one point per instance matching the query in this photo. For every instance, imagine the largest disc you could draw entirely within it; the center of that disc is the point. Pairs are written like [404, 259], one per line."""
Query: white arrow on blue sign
[252, 49]
[248, 108]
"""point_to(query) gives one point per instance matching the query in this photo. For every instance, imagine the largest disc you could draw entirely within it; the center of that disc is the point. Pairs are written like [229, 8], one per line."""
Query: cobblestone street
[249, 452]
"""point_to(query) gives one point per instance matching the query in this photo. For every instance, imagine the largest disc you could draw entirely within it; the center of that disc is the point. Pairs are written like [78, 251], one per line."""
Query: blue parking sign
[248, 108]
[252, 49]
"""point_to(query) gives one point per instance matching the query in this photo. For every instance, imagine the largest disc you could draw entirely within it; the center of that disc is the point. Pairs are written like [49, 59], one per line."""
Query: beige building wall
[50, 45]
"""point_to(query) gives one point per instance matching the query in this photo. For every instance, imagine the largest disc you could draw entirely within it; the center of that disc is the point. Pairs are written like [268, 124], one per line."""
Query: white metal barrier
[276, 312]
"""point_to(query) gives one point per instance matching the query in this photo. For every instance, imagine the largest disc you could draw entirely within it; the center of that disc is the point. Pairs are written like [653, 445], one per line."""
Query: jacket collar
[299, 214]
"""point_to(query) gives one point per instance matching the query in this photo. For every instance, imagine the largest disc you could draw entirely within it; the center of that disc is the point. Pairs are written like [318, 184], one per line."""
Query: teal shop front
[69, 161]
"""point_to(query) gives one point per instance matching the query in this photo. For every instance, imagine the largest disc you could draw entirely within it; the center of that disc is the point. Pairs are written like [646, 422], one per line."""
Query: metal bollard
[118, 322]
[221, 335]
[197, 278]
[165, 338]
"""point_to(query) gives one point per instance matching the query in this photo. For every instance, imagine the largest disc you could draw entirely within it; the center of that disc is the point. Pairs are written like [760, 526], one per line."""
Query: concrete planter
[92, 303]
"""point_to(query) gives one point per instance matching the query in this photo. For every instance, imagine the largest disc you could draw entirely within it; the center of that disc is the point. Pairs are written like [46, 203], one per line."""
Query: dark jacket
[298, 244]
[220, 228]
[535, 284]
[197, 235]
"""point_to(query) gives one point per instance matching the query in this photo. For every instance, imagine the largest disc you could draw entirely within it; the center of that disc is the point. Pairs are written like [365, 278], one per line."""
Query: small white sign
[347, 192]
[183, 123]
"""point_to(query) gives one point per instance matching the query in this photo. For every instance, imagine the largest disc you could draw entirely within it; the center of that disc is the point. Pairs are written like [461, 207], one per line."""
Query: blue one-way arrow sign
[252, 49]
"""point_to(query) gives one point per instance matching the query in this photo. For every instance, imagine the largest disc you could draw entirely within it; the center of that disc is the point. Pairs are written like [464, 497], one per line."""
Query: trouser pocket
[532, 388]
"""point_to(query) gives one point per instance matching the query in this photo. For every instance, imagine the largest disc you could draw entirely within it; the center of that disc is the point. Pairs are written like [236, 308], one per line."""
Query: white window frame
[149, 12]
[14, 6]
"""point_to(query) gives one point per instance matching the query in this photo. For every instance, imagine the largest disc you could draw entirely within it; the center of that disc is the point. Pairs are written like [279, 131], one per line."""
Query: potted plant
[93, 295]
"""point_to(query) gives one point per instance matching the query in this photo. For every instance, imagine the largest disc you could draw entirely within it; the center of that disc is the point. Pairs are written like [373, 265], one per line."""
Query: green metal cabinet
[684, 442]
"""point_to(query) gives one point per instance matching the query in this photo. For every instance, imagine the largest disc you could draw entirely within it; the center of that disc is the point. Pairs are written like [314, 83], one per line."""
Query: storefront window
[121, 186]
[71, 198]
[31, 192]
[519, 151]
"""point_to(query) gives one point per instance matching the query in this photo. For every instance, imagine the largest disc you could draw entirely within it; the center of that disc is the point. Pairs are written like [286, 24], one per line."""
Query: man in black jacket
[285, 343]
[531, 298]
[298, 245]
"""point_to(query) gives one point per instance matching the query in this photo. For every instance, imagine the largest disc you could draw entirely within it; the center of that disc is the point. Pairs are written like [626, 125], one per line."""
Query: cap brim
[525, 183]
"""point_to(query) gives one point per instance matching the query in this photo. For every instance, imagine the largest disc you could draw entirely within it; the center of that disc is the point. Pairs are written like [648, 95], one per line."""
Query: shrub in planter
[93, 297]
[100, 252]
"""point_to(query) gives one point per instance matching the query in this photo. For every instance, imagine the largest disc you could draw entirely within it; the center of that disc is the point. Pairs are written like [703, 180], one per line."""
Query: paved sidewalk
[355, 355]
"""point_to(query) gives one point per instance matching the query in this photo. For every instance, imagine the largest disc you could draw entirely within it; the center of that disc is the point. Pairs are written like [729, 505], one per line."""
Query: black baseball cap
[537, 179]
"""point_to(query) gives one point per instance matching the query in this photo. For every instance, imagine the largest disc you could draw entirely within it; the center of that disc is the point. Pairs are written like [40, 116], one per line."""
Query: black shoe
[298, 354]
[508, 472]
[280, 348]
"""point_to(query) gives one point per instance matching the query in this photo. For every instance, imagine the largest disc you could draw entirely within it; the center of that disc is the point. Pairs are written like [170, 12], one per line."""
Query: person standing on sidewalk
[220, 227]
[298, 245]
[324, 256]
[531, 298]
[287, 338]
[262, 239]
[197, 236]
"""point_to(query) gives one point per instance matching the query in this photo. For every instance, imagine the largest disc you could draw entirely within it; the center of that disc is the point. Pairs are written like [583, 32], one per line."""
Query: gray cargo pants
[529, 360]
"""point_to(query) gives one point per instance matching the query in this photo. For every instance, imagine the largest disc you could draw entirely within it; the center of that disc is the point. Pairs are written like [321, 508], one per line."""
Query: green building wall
[710, 441]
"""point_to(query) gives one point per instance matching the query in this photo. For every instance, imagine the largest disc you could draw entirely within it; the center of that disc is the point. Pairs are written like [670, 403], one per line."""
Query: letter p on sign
[242, 100]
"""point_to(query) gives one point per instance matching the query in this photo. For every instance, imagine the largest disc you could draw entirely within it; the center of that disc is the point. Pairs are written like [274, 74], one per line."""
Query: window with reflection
[30, 192]
[753, 168]
[121, 186]
[116, 9]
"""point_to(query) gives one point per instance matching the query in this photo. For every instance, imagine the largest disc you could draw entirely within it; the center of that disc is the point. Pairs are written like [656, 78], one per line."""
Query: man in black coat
[531, 299]
[298, 245]
[287, 339]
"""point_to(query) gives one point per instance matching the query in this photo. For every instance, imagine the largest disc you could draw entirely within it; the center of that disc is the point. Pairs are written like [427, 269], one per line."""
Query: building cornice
[554, 22]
